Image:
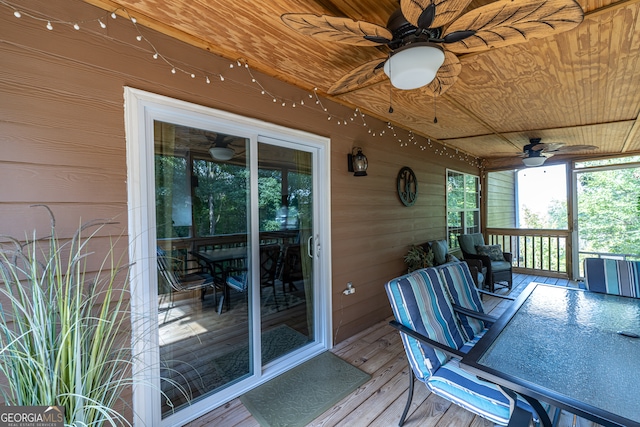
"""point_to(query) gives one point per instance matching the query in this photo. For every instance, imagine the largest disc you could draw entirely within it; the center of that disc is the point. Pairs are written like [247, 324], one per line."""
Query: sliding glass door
[233, 250]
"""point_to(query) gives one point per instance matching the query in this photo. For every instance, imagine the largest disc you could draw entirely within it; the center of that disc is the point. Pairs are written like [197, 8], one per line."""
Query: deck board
[379, 402]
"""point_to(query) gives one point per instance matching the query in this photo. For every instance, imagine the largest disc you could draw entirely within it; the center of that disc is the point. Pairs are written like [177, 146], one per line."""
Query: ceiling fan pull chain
[435, 116]
[390, 92]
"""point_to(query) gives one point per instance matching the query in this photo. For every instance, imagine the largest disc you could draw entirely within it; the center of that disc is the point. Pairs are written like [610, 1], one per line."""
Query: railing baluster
[534, 250]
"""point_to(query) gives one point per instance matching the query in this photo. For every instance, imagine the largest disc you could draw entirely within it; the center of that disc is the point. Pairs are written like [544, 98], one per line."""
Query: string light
[453, 154]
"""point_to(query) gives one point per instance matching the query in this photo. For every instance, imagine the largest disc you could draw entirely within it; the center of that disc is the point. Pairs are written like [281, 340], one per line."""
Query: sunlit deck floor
[379, 402]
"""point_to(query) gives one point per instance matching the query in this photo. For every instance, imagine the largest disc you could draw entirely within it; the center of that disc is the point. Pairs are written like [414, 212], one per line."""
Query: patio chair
[182, 279]
[269, 262]
[434, 344]
[291, 267]
[466, 299]
[612, 276]
[497, 262]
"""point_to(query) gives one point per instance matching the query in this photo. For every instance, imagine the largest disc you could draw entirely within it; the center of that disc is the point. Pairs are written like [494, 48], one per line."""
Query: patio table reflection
[217, 261]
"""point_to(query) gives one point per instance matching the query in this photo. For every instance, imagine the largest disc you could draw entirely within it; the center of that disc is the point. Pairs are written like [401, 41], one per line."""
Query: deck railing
[535, 251]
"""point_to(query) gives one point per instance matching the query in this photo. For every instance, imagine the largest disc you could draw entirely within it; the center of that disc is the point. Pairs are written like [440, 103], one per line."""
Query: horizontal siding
[63, 144]
[501, 199]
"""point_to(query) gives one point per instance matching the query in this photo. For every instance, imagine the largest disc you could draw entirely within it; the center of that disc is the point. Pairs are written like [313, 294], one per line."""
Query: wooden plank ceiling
[581, 87]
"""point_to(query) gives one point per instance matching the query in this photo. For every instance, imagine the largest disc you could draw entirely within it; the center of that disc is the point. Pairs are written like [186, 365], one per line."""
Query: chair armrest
[492, 294]
[486, 261]
[475, 314]
[453, 352]
[472, 262]
[507, 257]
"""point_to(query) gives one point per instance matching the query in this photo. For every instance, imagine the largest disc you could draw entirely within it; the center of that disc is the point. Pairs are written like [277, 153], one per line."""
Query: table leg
[542, 414]
[517, 417]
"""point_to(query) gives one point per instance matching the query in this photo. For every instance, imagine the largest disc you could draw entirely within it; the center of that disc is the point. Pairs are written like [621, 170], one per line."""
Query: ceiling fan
[422, 41]
[535, 153]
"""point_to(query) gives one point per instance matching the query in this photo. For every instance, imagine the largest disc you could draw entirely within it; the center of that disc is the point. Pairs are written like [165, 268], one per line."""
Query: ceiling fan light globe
[222, 153]
[534, 161]
[414, 66]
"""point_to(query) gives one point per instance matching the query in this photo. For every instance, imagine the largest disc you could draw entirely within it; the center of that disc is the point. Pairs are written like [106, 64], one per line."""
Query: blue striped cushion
[462, 291]
[612, 276]
[478, 396]
[467, 346]
[419, 302]
[239, 282]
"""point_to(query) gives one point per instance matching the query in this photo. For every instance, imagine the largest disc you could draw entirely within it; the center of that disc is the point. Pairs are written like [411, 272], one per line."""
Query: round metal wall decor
[407, 186]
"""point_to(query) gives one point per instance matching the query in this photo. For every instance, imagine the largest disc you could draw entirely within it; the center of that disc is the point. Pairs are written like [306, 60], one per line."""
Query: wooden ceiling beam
[466, 111]
[634, 133]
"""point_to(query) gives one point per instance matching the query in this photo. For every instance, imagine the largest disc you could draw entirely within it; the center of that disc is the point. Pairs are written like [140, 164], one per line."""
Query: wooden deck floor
[379, 402]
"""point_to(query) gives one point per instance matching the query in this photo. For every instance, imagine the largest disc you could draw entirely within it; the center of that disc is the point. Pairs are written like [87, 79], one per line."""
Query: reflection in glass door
[229, 218]
[203, 251]
[286, 268]
[218, 279]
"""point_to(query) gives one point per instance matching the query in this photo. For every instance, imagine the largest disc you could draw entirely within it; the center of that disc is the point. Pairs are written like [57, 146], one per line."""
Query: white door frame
[141, 110]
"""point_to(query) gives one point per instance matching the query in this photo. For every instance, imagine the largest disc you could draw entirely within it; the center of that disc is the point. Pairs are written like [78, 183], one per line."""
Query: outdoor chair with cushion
[497, 262]
[466, 299]
[612, 276]
[434, 343]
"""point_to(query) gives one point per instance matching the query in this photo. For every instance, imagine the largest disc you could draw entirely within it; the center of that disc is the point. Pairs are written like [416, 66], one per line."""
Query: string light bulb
[453, 153]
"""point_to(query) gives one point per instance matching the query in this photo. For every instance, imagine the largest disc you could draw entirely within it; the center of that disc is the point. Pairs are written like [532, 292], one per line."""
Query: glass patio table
[577, 350]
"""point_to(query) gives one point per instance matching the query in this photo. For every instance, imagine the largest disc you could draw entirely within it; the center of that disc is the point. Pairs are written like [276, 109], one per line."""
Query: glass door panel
[286, 267]
[203, 251]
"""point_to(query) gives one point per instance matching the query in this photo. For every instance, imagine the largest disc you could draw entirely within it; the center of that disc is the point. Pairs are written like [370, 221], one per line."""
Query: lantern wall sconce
[357, 163]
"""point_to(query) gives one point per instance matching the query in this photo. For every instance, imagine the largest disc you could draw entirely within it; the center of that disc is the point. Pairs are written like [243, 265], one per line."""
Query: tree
[609, 211]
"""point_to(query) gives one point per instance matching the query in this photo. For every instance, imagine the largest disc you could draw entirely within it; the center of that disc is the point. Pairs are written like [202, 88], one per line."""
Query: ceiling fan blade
[445, 78]
[418, 12]
[503, 23]
[548, 146]
[366, 74]
[573, 148]
[338, 30]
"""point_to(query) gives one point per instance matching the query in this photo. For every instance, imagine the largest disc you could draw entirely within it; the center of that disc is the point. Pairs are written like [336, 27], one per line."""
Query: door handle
[309, 245]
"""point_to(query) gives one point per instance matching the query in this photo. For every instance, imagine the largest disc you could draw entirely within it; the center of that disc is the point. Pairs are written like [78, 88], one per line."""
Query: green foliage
[62, 330]
[221, 198]
[417, 258]
[609, 211]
